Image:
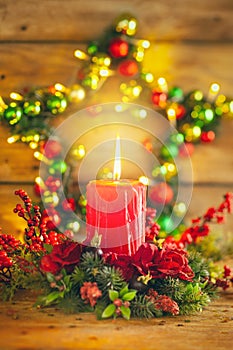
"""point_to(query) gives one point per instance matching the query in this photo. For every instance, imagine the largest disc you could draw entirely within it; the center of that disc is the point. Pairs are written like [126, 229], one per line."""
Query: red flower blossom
[65, 255]
[90, 293]
[161, 263]
[48, 265]
[122, 262]
[163, 302]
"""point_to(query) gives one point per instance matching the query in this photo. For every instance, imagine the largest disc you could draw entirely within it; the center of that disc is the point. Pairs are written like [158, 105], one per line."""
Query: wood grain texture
[56, 20]
[24, 327]
[188, 65]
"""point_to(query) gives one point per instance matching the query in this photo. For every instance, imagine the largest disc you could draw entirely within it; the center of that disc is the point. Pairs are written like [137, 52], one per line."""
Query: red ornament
[161, 193]
[180, 111]
[128, 68]
[69, 204]
[53, 183]
[52, 149]
[159, 98]
[118, 48]
[186, 149]
[207, 136]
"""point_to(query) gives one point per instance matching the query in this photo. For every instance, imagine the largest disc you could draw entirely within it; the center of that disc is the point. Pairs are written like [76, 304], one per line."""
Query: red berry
[117, 302]
[52, 149]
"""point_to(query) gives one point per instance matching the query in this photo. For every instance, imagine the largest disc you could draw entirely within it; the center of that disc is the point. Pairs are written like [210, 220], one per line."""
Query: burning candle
[116, 212]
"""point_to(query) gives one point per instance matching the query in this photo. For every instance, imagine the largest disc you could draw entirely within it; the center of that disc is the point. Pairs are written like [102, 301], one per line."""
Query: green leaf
[113, 294]
[196, 288]
[67, 280]
[129, 296]
[124, 290]
[48, 248]
[50, 298]
[50, 277]
[109, 311]
[125, 312]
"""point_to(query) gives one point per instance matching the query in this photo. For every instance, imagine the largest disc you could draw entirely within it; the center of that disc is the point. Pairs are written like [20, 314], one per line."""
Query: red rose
[67, 254]
[173, 262]
[169, 261]
[47, 265]
[122, 262]
[64, 255]
[143, 258]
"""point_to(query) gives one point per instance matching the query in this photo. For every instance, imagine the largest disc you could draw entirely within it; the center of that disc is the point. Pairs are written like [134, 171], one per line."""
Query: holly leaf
[109, 311]
[50, 277]
[129, 296]
[113, 295]
[125, 311]
[48, 299]
[124, 290]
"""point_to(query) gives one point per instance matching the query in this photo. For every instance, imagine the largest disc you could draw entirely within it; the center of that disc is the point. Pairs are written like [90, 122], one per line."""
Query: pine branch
[109, 278]
[142, 307]
[91, 264]
[72, 304]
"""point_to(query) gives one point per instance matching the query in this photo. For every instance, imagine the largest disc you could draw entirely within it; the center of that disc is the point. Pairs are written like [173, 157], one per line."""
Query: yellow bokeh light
[144, 180]
[231, 106]
[171, 114]
[33, 145]
[16, 96]
[214, 88]
[196, 131]
[79, 152]
[13, 139]
[80, 55]
[149, 77]
[60, 87]
[162, 83]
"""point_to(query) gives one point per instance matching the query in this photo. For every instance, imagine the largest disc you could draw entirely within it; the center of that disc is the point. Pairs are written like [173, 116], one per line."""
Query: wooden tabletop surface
[26, 328]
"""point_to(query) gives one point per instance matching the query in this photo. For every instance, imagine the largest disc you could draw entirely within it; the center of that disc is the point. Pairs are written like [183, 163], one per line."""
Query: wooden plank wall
[191, 47]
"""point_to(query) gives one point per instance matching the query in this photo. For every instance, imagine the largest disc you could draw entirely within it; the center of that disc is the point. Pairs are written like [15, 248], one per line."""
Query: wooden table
[26, 328]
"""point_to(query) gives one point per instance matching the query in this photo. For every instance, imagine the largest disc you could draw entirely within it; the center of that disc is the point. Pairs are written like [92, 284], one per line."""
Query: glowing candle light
[116, 212]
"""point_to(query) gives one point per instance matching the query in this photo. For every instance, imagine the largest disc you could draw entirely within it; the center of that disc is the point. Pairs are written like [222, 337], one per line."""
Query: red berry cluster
[118, 303]
[32, 215]
[227, 280]
[9, 243]
[37, 233]
[200, 227]
[152, 228]
[5, 260]
[25, 265]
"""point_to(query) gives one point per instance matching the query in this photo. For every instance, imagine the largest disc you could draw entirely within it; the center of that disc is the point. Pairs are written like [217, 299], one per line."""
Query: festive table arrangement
[132, 262]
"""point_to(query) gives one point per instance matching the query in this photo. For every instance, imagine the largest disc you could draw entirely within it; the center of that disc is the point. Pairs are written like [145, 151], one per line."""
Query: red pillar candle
[116, 211]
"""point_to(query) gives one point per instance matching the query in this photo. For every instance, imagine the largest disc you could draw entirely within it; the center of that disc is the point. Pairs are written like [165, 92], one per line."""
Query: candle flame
[117, 162]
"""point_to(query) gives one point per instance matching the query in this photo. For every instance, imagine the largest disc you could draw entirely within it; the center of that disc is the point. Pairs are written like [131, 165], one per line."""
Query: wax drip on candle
[117, 162]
